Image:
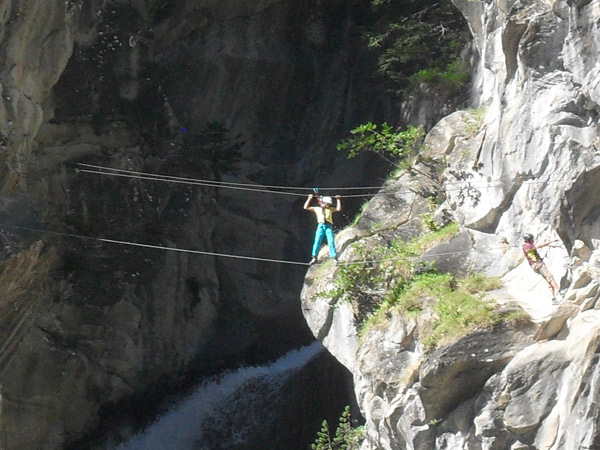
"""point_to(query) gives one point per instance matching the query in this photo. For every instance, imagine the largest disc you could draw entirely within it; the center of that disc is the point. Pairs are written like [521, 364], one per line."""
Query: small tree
[346, 437]
[323, 441]
[420, 42]
[383, 141]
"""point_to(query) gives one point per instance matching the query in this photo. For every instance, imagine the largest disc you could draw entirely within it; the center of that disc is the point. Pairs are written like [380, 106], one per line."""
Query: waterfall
[223, 412]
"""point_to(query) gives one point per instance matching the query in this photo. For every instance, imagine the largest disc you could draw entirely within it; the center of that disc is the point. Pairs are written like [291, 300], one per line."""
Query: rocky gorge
[260, 93]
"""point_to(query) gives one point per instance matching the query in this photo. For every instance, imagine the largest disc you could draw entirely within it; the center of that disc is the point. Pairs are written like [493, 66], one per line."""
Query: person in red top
[537, 263]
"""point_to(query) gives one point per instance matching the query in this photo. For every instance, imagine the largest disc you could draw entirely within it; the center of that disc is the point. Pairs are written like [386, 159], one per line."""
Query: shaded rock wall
[29, 70]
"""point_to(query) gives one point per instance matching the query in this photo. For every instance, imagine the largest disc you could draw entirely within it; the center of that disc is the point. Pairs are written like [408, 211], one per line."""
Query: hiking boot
[335, 261]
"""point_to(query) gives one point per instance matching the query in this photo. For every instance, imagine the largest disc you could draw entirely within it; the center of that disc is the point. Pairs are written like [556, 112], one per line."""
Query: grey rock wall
[523, 159]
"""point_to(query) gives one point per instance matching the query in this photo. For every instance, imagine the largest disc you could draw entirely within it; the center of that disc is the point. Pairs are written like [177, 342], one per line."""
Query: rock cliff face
[84, 324]
[87, 324]
[522, 160]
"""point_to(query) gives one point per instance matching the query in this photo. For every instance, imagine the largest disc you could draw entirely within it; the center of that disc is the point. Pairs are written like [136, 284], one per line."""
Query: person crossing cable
[324, 214]
[537, 263]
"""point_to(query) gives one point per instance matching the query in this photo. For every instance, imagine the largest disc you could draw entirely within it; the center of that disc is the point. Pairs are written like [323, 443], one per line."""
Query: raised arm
[338, 207]
[307, 202]
[545, 244]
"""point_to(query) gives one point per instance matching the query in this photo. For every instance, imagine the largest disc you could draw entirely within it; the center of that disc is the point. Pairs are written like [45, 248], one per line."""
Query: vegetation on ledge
[420, 42]
[391, 278]
[458, 305]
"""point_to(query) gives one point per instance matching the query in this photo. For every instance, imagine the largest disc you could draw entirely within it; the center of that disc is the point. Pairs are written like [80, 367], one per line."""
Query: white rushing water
[233, 398]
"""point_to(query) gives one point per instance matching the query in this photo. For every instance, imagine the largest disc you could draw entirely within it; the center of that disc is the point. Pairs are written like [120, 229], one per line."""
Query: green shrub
[382, 271]
[457, 304]
[346, 437]
[417, 245]
[420, 42]
[381, 140]
[449, 78]
[359, 283]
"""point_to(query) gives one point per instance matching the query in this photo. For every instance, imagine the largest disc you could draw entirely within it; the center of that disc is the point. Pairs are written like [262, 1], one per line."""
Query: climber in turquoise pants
[324, 214]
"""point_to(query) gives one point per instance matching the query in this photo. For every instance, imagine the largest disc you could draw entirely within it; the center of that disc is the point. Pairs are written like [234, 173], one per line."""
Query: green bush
[419, 42]
[346, 437]
[359, 283]
[457, 304]
[381, 270]
[449, 78]
[382, 140]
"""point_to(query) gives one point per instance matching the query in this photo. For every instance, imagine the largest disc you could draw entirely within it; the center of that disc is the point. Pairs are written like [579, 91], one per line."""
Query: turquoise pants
[327, 230]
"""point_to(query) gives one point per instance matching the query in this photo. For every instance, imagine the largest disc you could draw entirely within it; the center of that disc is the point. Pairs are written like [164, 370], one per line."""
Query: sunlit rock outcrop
[524, 159]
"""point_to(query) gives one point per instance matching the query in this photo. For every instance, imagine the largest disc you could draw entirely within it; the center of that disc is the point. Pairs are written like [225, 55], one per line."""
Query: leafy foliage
[399, 283]
[450, 77]
[382, 269]
[323, 441]
[457, 303]
[358, 283]
[420, 42]
[384, 141]
[346, 437]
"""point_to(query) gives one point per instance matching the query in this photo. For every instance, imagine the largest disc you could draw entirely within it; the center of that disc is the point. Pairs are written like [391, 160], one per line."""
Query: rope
[220, 184]
[107, 170]
[226, 255]
[225, 182]
[194, 183]
[151, 246]
[110, 171]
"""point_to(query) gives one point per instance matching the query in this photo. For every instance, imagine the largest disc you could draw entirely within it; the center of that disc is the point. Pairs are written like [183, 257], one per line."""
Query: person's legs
[550, 280]
[318, 240]
[330, 242]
